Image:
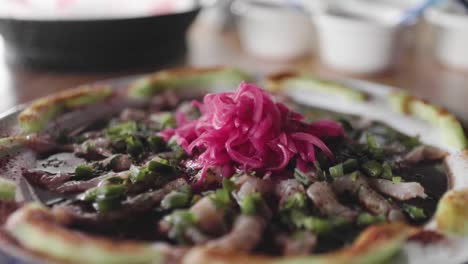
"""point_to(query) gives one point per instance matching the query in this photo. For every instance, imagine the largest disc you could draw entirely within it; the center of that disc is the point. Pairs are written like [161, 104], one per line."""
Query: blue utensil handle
[416, 11]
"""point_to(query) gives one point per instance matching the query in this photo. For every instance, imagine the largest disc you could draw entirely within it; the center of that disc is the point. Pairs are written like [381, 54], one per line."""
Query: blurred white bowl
[359, 40]
[450, 34]
[273, 31]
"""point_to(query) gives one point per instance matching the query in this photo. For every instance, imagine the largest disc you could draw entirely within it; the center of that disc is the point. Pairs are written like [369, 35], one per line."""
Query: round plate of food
[211, 165]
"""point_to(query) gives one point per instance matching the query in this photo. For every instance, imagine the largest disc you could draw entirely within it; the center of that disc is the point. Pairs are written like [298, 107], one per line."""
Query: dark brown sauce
[434, 181]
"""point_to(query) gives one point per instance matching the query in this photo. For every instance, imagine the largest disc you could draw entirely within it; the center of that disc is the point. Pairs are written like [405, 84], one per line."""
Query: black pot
[98, 43]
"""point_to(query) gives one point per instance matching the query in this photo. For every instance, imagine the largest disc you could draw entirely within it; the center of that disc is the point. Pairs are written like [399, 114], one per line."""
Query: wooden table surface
[416, 71]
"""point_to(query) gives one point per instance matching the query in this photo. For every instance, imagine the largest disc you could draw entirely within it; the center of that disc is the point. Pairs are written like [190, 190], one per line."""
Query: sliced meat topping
[81, 186]
[300, 244]
[251, 184]
[118, 162]
[46, 180]
[325, 200]
[286, 188]
[244, 236]
[74, 213]
[210, 218]
[64, 183]
[369, 198]
[94, 149]
[399, 190]
[45, 145]
[424, 152]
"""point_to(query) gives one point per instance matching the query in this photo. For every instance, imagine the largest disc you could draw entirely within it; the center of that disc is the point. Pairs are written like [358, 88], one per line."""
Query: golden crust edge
[39, 106]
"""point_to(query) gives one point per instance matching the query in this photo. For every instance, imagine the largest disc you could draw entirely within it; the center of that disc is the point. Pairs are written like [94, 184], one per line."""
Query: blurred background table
[208, 45]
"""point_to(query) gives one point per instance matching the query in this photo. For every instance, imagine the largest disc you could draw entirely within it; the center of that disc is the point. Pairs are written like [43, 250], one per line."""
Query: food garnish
[248, 130]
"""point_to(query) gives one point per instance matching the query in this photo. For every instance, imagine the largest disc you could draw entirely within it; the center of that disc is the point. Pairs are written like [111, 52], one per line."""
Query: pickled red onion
[247, 129]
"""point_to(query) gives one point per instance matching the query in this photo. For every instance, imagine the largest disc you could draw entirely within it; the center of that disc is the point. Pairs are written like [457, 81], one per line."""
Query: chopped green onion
[337, 170]
[396, 179]
[156, 167]
[372, 168]
[317, 225]
[88, 195]
[321, 175]
[411, 142]
[354, 176]
[177, 199]
[165, 119]
[251, 204]
[387, 171]
[301, 177]
[104, 192]
[177, 150]
[134, 146]
[106, 205]
[414, 212]
[296, 201]
[114, 180]
[83, 171]
[374, 147]
[156, 143]
[114, 160]
[368, 219]
[341, 169]
[195, 199]
[159, 165]
[121, 131]
[299, 219]
[137, 174]
[179, 221]
[222, 197]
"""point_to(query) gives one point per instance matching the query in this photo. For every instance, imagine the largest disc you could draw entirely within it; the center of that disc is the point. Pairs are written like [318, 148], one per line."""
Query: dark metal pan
[97, 43]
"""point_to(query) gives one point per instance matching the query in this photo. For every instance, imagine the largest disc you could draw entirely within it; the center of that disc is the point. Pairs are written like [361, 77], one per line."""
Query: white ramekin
[273, 31]
[450, 36]
[359, 41]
